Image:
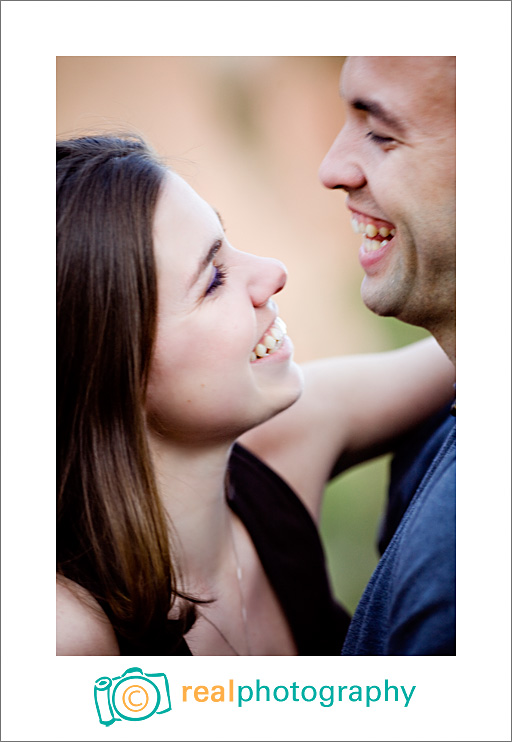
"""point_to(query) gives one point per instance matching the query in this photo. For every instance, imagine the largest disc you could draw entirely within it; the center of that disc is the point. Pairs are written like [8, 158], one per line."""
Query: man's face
[395, 157]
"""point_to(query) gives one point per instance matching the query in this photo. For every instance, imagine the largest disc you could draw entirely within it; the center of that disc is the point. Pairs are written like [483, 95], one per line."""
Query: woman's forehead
[185, 228]
[180, 206]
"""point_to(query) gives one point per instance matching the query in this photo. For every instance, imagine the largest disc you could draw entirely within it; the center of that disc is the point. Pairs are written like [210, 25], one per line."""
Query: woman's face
[206, 382]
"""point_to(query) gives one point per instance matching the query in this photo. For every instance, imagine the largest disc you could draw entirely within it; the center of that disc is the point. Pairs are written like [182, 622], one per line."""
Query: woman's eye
[219, 277]
[378, 139]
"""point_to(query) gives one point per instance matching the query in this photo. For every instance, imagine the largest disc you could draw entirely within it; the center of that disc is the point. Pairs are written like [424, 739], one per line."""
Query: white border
[462, 698]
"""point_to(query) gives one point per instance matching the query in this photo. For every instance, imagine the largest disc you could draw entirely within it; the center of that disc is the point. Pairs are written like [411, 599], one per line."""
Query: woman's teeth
[271, 341]
[369, 232]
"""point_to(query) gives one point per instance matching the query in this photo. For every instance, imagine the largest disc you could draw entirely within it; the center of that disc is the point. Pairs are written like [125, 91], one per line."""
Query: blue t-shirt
[408, 607]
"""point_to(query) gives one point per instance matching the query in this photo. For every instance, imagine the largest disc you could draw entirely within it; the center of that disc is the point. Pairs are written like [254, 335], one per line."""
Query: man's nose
[341, 167]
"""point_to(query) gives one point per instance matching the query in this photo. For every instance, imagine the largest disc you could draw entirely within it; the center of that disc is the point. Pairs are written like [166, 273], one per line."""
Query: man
[395, 158]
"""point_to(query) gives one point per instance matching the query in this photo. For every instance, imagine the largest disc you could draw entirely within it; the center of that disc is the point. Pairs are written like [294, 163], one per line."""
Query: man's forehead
[405, 82]
[397, 67]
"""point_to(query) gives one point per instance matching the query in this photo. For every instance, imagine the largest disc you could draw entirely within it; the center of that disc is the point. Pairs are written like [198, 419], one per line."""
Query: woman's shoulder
[82, 626]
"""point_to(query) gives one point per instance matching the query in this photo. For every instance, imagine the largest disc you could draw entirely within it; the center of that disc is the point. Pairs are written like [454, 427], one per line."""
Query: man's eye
[219, 277]
[378, 139]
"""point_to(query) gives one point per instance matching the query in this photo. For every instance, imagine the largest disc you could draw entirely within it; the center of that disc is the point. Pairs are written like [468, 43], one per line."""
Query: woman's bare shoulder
[82, 626]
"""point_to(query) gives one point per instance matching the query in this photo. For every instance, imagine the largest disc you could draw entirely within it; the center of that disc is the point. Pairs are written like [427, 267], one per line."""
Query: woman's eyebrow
[205, 262]
[220, 219]
[212, 252]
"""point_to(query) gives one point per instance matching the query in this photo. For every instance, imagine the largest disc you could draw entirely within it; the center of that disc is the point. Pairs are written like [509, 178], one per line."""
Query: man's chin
[376, 299]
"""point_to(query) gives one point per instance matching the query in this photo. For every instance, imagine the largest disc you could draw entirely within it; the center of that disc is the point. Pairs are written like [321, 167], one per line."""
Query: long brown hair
[112, 536]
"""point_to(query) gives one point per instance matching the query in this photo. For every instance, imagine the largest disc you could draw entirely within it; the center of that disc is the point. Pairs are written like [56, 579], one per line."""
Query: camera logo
[133, 696]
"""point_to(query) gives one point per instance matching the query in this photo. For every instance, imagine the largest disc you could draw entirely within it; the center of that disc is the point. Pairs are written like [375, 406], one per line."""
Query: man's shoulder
[428, 532]
[413, 458]
[408, 607]
[422, 609]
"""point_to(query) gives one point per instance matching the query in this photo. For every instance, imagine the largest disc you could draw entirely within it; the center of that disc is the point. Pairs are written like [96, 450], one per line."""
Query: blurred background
[249, 134]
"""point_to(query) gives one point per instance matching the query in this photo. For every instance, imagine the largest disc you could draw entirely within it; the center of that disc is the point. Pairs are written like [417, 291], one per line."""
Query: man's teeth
[370, 231]
[271, 341]
[371, 245]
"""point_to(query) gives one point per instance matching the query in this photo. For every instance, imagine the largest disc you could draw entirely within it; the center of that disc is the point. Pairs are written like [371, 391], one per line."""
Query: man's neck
[449, 348]
[445, 336]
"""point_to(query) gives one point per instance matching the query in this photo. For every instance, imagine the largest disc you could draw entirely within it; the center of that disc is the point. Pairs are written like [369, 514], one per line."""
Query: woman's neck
[191, 482]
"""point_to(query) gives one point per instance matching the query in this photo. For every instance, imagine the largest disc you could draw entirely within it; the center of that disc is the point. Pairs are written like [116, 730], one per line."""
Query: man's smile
[376, 233]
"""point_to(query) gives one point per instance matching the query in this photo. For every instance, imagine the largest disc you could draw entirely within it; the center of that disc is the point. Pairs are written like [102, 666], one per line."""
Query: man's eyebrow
[379, 112]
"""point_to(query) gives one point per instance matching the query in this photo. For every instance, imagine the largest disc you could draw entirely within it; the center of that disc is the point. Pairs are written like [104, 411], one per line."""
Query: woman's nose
[267, 277]
[341, 167]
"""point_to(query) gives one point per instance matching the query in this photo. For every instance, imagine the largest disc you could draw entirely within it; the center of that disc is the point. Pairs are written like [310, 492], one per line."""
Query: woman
[172, 538]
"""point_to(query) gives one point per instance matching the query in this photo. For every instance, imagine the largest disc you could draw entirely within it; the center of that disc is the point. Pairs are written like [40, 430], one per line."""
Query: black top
[290, 550]
[289, 547]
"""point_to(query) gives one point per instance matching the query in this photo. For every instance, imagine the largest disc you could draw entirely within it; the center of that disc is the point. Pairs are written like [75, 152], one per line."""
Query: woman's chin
[286, 394]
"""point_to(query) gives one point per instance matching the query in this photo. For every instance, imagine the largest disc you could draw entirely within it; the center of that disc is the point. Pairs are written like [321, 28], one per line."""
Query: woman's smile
[271, 341]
